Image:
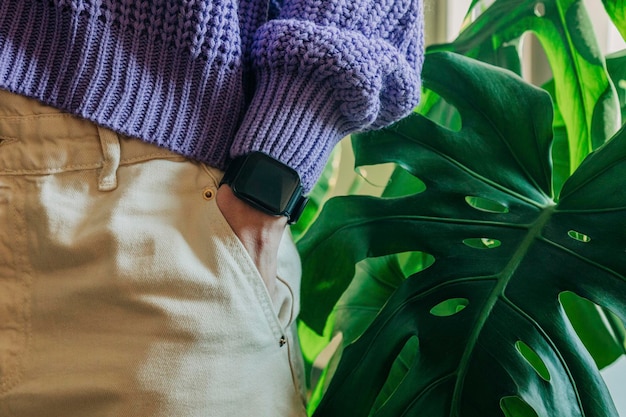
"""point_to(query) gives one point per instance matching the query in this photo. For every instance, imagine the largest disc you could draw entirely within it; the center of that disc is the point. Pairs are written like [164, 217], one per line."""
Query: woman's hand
[260, 233]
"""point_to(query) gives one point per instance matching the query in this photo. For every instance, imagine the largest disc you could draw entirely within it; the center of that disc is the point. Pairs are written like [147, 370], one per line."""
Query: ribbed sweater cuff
[293, 120]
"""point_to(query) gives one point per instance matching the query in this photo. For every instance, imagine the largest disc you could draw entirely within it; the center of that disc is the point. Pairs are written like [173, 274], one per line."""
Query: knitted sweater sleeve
[326, 68]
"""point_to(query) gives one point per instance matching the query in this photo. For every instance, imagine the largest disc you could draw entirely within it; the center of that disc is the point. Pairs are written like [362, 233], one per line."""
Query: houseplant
[494, 241]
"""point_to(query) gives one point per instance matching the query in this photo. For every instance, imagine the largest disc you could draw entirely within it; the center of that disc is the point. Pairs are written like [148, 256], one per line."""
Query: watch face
[267, 182]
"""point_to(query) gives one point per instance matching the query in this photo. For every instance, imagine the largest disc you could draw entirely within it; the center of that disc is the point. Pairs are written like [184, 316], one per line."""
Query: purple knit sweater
[211, 79]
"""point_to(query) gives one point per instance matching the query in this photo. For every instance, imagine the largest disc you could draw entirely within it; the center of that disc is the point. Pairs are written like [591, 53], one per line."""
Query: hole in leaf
[516, 407]
[538, 72]
[581, 237]
[484, 204]
[482, 243]
[399, 370]
[533, 360]
[599, 328]
[402, 183]
[414, 262]
[376, 176]
[440, 111]
[540, 9]
[449, 307]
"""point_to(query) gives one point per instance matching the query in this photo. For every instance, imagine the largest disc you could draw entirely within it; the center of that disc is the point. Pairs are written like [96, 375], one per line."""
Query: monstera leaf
[584, 94]
[617, 11]
[616, 66]
[484, 321]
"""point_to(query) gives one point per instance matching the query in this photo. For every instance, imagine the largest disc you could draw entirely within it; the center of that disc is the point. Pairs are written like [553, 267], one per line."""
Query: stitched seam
[150, 156]
[295, 379]
[210, 173]
[13, 119]
[50, 170]
[78, 167]
[26, 282]
[293, 299]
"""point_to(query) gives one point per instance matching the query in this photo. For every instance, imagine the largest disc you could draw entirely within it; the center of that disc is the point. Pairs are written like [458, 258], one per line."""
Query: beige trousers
[123, 290]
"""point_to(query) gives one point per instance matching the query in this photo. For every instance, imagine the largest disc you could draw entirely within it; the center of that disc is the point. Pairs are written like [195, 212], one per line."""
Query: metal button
[208, 194]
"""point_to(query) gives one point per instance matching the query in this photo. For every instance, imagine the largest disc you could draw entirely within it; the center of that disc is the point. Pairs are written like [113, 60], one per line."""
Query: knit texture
[214, 79]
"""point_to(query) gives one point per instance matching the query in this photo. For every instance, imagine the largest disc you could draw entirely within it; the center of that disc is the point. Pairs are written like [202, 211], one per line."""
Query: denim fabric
[123, 290]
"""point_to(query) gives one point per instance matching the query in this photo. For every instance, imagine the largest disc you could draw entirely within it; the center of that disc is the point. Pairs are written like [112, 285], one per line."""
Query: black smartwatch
[266, 184]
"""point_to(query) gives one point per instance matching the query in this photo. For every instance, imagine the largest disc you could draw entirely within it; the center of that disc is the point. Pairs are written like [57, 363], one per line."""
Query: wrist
[229, 202]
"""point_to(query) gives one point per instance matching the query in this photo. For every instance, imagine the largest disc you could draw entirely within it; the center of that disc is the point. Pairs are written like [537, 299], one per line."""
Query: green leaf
[492, 335]
[617, 11]
[344, 219]
[590, 322]
[323, 190]
[584, 95]
[616, 65]
[560, 146]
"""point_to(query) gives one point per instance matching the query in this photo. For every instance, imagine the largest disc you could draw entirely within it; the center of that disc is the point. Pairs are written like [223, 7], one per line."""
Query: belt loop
[110, 143]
